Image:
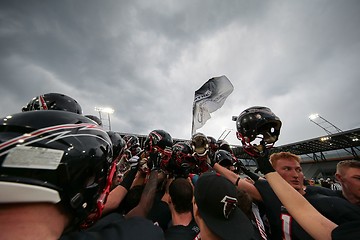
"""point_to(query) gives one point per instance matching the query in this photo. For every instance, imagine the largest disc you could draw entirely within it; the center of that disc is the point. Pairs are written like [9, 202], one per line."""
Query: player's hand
[134, 162]
[263, 162]
[154, 160]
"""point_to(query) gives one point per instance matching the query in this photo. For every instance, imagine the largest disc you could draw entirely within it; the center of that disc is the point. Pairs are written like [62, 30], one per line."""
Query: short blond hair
[346, 164]
[283, 155]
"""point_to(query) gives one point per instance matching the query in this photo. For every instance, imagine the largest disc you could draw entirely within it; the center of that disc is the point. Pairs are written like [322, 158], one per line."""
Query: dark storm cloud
[146, 58]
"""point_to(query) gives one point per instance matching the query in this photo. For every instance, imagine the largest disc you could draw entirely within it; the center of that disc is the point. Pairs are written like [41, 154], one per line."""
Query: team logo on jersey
[229, 205]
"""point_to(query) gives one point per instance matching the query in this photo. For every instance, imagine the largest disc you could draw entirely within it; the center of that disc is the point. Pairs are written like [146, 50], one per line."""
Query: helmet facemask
[183, 162]
[200, 146]
[159, 141]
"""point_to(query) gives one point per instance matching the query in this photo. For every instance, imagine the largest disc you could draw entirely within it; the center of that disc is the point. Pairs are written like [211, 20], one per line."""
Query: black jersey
[283, 226]
[160, 213]
[337, 209]
[180, 232]
[323, 190]
[350, 230]
[115, 226]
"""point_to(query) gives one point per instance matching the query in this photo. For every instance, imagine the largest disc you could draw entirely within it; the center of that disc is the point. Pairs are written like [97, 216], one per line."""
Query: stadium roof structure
[314, 149]
[349, 141]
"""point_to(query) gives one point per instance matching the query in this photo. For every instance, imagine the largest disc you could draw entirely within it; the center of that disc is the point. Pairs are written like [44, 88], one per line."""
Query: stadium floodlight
[225, 133]
[313, 116]
[324, 124]
[106, 110]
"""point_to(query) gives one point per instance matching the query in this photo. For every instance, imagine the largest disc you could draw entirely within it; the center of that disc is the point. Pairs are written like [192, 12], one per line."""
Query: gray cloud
[146, 58]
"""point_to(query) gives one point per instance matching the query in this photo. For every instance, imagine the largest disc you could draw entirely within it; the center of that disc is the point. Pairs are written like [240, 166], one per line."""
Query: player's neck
[31, 221]
[181, 218]
[301, 190]
[351, 198]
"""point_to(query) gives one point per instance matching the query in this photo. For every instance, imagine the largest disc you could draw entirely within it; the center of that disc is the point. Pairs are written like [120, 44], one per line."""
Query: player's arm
[147, 197]
[149, 192]
[241, 183]
[117, 195]
[313, 222]
[114, 199]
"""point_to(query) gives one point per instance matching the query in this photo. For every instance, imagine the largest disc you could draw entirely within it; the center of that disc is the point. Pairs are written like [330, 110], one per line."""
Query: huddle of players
[108, 154]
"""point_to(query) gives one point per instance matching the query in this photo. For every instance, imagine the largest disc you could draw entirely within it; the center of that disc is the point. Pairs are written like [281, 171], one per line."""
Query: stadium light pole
[323, 123]
[225, 133]
[106, 110]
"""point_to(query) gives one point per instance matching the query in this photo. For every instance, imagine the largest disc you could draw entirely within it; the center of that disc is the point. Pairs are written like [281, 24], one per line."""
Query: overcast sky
[146, 58]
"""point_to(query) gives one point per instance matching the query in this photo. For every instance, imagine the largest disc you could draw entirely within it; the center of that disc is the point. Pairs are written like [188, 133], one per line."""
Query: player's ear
[168, 199]
[338, 177]
[196, 210]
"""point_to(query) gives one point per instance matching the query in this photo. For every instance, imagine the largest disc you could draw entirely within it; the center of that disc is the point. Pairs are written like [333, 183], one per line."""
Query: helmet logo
[157, 137]
[42, 102]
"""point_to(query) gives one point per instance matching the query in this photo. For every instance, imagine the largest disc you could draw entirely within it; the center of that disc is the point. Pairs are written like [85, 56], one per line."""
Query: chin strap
[254, 150]
[100, 204]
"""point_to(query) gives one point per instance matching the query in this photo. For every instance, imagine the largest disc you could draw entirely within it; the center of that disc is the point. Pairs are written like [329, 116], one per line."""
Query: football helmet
[224, 158]
[131, 141]
[182, 161]
[212, 143]
[224, 145]
[53, 101]
[200, 144]
[95, 119]
[213, 147]
[162, 142]
[257, 123]
[118, 144]
[58, 157]
[132, 145]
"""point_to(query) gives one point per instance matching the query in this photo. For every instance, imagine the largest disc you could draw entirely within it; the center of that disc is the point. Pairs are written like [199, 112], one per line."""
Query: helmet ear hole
[272, 130]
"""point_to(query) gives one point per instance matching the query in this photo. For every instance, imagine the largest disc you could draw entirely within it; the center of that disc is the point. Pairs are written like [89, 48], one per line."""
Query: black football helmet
[132, 142]
[182, 160]
[58, 157]
[95, 119]
[118, 144]
[257, 123]
[161, 141]
[132, 145]
[212, 143]
[53, 101]
[224, 145]
[158, 139]
[224, 158]
[213, 147]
